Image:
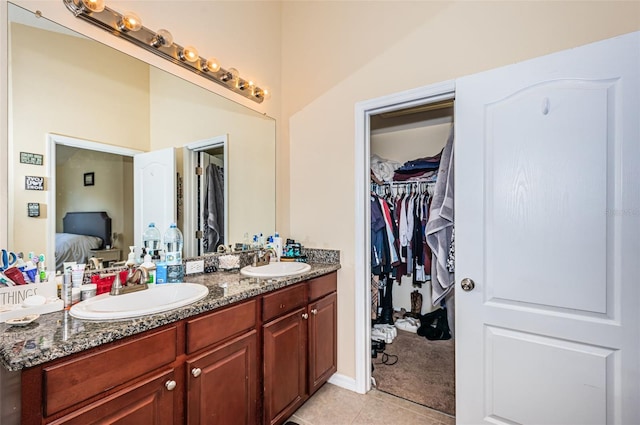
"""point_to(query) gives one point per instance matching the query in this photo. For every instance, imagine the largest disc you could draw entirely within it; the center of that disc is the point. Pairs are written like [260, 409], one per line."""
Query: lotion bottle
[151, 268]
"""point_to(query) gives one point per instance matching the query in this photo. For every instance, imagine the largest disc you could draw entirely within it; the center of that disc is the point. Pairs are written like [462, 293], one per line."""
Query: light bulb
[162, 38]
[266, 93]
[234, 74]
[189, 54]
[130, 22]
[93, 5]
[252, 88]
[211, 65]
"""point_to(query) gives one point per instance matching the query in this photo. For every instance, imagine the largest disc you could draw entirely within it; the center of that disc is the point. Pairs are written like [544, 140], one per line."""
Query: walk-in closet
[413, 254]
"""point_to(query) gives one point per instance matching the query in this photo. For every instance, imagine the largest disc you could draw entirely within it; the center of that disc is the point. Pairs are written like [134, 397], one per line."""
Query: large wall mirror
[64, 86]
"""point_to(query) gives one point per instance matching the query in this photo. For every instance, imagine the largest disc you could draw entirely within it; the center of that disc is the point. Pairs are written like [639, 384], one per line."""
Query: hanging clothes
[439, 227]
[213, 213]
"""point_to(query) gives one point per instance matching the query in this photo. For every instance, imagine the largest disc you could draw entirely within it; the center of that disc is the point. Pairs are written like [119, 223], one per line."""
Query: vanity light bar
[156, 42]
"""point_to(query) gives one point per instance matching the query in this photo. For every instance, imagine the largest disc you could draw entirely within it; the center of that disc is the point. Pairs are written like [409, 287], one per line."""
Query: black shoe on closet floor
[434, 325]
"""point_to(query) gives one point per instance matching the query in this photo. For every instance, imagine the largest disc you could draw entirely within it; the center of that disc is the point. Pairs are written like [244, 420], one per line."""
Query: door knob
[171, 385]
[467, 284]
[196, 371]
[314, 311]
[305, 316]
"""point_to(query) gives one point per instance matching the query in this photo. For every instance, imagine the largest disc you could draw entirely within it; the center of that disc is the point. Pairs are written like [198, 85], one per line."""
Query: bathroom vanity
[251, 352]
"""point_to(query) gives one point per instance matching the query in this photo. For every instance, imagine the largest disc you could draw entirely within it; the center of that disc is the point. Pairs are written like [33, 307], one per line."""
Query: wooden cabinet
[285, 365]
[323, 339]
[201, 370]
[149, 401]
[223, 374]
[300, 348]
[222, 384]
[124, 382]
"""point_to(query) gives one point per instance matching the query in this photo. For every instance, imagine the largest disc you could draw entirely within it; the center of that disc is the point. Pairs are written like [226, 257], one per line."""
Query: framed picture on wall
[89, 179]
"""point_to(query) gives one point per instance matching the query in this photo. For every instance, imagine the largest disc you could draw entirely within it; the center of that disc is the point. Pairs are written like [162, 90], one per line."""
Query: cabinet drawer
[323, 285]
[147, 402]
[283, 301]
[215, 327]
[83, 377]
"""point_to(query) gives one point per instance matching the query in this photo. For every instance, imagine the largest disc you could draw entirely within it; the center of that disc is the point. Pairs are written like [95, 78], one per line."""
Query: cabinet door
[285, 363]
[222, 384]
[150, 401]
[322, 341]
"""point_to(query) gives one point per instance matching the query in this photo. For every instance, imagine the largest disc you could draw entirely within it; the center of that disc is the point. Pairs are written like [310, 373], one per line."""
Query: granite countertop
[55, 335]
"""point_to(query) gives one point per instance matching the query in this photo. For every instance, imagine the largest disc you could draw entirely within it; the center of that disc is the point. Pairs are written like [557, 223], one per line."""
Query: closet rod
[403, 183]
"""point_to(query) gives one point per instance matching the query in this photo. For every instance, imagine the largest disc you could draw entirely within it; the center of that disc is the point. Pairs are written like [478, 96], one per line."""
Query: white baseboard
[343, 381]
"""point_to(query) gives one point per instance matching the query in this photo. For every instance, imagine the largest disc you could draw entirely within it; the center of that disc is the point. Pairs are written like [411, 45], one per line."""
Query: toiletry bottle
[151, 268]
[66, 290]
[42, 272]
[277, 242]
[131, 258]
[173, 243]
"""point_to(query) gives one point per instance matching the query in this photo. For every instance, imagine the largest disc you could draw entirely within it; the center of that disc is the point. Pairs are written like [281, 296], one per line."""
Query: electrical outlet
[195, 267]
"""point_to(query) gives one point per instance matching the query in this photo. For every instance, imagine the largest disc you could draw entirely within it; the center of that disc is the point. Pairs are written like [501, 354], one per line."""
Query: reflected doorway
[206, 195]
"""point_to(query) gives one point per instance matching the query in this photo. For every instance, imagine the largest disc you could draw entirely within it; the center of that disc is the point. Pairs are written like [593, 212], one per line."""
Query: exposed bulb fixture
[264, 93]
[226, 76]
[235, 75]
[130, 22]
[93, 5]
[161, 42]
[162, 38]
[189, 54]
[211, 65]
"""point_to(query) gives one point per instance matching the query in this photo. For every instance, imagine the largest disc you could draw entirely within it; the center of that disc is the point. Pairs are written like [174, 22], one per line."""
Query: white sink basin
[276, 269]
[156, 299]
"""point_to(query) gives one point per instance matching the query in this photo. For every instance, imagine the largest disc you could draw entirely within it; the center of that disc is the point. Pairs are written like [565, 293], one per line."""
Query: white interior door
[548, 228]
[154, 191]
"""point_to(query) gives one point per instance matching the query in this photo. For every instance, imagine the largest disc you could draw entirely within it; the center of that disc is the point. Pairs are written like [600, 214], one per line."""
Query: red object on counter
[15, 275]
[105, 282]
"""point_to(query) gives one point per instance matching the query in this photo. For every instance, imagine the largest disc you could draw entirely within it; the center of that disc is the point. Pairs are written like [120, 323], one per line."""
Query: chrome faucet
[263, 256]
[136, 281]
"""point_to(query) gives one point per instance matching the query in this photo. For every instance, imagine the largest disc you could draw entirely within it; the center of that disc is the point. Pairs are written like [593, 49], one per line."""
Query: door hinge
[198, 171]
[198, 234]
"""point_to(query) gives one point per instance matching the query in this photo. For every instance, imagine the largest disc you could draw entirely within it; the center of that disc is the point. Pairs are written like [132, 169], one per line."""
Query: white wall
[336, 54]
[251, 147]
[76, 96]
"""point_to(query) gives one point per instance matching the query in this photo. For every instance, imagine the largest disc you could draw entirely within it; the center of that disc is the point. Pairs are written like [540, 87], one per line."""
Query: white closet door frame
[363, 112]
[190, 202]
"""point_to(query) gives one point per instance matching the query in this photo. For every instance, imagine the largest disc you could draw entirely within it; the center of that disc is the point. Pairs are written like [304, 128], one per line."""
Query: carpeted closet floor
[424, 372]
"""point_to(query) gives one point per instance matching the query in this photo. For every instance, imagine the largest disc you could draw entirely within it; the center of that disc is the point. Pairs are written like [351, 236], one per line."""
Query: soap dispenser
[131, 259]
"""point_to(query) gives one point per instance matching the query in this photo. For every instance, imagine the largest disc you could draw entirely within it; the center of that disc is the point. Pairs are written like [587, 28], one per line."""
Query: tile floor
[333, 405]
